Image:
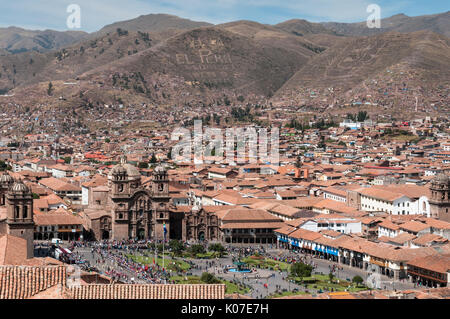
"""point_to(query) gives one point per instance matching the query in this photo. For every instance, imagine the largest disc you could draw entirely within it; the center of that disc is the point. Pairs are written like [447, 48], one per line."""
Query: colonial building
[440, 197]
[125, 208]
[129, 209]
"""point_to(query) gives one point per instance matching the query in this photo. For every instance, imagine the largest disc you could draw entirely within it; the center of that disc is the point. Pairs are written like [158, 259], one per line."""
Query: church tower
[19, 201]
[160, 202]
[440, 197]
[123, 180]
[6, 181]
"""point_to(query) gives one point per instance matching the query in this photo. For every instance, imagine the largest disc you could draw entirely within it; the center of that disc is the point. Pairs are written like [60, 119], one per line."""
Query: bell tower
[123, 180]
[6, 181]
[440, 197]
[19, 201]
[160, 202]
[119, 181]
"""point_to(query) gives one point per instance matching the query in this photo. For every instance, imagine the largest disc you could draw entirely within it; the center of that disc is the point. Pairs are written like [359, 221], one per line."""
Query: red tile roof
[120, 291]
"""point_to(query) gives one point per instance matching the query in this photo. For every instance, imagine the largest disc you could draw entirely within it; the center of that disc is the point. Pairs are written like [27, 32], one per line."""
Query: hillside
[388, 70]
[302, 27]
[199, 65]
[16, 40]
[153, 23]
[356, 59]
[209, 65]
[438, 23]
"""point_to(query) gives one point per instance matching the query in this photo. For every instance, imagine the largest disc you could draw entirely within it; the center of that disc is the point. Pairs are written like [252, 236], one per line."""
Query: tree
[50, 88]
[197, 249]
[176, 246]
[3, 166]
[67, 160]
[362, 116]
[209, 278]
[357, 280]
[36, 196]
[217, 248]
[331, 276]
[301, 270]
[153, 159]
[143, 165]
[107, 140]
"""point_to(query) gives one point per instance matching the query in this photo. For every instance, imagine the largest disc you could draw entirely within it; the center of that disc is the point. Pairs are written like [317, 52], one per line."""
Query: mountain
[16, 40]
[356, 59]
[167, 60]
[153, 23]
[439, 23]
[387, 69]
[267, 35]
[230, 56]
[302, 27]
[67, 63]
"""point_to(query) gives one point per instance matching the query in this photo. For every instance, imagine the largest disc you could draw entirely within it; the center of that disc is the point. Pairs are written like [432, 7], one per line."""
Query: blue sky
[52, 14]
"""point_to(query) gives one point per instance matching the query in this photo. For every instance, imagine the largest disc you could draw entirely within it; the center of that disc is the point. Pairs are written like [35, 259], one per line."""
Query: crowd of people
[113, 258]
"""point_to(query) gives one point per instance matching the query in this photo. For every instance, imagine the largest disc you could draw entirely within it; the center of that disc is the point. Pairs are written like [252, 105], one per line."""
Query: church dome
[160, 169]
[131, 170]
[19, 188]
[118, 170]
[5, 178]
[125, 169]
[442, 179]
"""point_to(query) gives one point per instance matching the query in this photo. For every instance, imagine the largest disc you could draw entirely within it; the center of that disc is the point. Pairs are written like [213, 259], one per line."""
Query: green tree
[357, 280]
[143, 165]
[50, 88]
[197, 249]
[3, 166]
[217, 248]
[176, 246]
[67, 159]
[301, 270]
[362, 116]
[36, 196]
[331, 276]
[209, 278]
[153, 159]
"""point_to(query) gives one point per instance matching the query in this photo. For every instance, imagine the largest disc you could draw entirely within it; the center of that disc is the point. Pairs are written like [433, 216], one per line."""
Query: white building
[378, 199]
[334, 222]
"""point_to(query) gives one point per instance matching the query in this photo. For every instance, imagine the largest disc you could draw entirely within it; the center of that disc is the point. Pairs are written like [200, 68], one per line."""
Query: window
[17, 209]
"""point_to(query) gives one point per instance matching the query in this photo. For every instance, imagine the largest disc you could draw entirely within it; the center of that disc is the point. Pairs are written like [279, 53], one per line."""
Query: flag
[165, 231]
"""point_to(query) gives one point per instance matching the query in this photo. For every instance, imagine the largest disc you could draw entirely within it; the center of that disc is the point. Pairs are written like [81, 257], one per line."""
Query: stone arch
[140, 199]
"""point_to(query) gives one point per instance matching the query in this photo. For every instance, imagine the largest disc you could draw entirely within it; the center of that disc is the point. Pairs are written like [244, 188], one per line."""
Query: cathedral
[126, 208]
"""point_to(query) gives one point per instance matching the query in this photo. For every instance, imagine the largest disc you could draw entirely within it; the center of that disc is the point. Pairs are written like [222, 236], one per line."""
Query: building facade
[440, 197]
